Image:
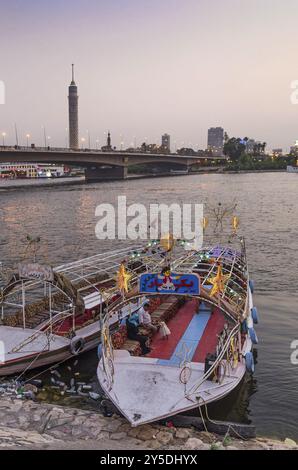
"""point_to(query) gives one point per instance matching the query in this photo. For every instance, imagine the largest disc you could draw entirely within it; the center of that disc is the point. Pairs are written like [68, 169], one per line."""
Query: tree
[234, 148]
[259, 149]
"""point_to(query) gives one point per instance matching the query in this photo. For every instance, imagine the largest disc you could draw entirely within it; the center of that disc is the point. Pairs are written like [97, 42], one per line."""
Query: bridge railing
[32, 149]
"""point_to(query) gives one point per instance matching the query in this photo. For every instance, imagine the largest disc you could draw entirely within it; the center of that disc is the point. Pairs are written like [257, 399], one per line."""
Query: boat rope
[32, 362]
[36, 357]
[218, 423]
[46, 370]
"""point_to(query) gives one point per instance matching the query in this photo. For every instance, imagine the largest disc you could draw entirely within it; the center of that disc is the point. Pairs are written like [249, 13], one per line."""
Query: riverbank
[30, 425]
[6, 185]
[37, 184]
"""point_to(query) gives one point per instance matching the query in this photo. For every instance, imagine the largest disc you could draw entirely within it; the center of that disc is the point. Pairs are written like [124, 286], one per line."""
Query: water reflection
[65, 217]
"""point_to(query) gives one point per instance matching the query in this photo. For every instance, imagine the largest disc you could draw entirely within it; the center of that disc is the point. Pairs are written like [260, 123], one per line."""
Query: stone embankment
[30, 425]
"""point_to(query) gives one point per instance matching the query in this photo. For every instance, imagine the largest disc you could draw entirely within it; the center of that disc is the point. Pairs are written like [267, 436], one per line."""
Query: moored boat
[48, 315]
[205, 299]
[292, 169]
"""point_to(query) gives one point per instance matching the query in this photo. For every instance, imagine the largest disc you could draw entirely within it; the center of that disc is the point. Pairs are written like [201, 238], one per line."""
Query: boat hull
[40, 359]
[140, 388]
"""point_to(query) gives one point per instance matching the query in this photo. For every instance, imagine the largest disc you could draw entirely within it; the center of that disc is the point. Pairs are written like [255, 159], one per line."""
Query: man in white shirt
[145, 318]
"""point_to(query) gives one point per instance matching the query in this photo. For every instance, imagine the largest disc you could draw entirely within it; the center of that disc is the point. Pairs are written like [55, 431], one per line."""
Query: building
[250, 146]
[216, 140]
[166, 142]
[73, 111]
[294, 150]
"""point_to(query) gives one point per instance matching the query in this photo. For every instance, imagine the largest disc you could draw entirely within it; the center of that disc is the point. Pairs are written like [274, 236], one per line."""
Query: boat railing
[52, 321]
[216, 363]
[43, 329]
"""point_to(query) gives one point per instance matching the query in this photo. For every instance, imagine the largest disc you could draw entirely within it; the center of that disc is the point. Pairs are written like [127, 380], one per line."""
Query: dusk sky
[145, 67]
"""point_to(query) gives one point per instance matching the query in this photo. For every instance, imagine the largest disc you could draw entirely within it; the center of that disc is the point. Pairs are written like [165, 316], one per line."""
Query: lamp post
[83, 141]
[3, 138]
[66, 137]
[44, 135]
[89, 140]
[96, 143]
[27, 137]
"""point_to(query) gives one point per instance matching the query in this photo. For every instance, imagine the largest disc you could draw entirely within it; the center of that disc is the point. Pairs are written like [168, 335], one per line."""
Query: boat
[292, 169]
[48, 315]
[204, 297]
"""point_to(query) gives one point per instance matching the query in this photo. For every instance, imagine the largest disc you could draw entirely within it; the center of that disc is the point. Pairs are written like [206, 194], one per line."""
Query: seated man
[132, 326]
[145, 318]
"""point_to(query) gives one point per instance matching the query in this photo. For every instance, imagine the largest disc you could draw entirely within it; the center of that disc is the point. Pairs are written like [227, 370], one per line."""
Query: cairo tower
[73, 114]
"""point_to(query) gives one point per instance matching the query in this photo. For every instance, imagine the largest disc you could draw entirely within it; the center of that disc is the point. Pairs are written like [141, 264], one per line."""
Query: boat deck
[141, 385]
[33, 342]
[193, 334]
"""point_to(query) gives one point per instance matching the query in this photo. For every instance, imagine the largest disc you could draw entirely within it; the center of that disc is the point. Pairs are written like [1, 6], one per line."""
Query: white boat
[205, 299]
[292, 169]
[49, 315]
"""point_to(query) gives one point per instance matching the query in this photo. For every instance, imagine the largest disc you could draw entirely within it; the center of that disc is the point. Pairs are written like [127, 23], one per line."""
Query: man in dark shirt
[132, 326]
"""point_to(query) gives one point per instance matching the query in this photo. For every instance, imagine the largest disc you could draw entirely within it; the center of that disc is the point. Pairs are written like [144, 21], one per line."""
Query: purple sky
[145, 67]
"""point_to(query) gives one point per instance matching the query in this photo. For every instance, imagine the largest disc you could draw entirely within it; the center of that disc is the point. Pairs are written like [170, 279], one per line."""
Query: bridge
[104, 165]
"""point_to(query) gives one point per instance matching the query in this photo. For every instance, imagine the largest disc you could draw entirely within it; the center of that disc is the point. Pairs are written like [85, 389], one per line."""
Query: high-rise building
[216, 140]
[73, 111]
[166, 142]
[250, 146]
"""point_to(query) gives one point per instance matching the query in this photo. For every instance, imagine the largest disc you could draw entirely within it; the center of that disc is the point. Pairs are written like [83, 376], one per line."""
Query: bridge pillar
[93, 174]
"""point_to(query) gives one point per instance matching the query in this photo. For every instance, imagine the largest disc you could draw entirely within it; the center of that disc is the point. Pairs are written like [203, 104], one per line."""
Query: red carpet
[209, 339]
[164, 348]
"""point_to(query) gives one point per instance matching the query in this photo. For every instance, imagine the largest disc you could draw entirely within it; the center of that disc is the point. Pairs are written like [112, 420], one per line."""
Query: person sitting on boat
[132, 327]
[145, 318]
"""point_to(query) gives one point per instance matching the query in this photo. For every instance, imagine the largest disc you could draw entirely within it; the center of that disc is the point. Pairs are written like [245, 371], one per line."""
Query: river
[64, 218]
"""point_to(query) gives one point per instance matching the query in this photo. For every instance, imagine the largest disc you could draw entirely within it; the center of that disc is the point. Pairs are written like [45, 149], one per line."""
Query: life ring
[244, 327]
[77, 345]
[253, 335]
[249, 362]
[254, 314]
[185, 374]
[252, 286]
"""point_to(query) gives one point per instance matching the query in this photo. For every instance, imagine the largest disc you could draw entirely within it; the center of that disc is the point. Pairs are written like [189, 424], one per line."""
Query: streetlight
[48, 138]
[3, 138]
[89, 141]
[66, 137]
[44, 135]
[96, 143]
[83, 141]
[28, 137]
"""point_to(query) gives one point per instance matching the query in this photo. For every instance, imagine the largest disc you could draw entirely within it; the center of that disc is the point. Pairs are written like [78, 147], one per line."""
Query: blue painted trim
[190, 338]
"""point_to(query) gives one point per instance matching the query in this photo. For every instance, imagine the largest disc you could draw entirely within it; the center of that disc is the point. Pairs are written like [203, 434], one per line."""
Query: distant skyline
[145, 68]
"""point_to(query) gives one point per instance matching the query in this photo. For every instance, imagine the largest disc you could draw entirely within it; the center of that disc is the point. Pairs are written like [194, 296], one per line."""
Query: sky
[146, 67]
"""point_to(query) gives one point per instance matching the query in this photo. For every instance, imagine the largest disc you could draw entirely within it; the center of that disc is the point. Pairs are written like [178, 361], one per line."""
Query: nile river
[64, 216]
